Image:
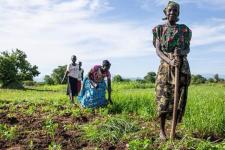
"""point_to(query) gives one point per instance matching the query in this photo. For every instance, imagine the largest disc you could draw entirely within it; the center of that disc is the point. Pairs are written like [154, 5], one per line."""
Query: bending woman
[92, 94]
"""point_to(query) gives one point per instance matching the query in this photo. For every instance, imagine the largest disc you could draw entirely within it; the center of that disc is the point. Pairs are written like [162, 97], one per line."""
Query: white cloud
[50, 31]
[211, 4]
[205, 33]
[208, 47]
[211, 32]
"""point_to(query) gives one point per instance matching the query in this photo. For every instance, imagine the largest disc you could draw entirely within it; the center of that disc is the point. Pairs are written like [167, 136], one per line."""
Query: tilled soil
[31, 134]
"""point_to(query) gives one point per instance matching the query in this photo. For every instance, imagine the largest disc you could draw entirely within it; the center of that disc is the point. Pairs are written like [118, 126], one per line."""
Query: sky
[51, 31]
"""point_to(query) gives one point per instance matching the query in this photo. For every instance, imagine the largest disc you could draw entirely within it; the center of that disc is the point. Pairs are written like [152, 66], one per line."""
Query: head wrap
[106, 63]
[174, 4]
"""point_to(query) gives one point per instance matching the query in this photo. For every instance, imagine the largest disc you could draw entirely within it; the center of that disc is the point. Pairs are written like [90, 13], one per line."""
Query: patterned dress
[93, 97]
[171, 37]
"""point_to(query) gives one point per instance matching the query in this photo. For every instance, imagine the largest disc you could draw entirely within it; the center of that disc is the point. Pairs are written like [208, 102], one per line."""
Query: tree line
[151, 77]
[15, 71]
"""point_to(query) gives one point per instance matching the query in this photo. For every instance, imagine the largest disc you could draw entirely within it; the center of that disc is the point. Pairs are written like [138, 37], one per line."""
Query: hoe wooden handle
[176, 96]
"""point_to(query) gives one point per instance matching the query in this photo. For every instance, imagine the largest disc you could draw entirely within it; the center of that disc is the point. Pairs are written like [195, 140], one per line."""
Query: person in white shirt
[72, 73]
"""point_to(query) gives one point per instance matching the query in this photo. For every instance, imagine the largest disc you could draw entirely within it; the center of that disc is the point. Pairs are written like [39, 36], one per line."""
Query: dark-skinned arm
[171, 62]
[109, 90]
[82, 75]
[160, 53]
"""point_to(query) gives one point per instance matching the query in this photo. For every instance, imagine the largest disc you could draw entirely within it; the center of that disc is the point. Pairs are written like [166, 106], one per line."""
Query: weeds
[140, 144]
[54, 146]
[8, 133]
[31, 145]
[51, 127]
[112, 130]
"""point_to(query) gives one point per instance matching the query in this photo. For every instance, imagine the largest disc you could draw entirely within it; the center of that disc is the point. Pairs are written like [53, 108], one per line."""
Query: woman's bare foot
[162, 136]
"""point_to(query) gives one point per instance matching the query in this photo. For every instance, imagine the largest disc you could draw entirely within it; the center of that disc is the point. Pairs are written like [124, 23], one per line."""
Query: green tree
[14, 68]
[211, 80]
[48, 80]
[198, 79]
[216, 78]
[56, 76]
[140, 80]
[150, 77]
[117, 78]
[221, 79]
[58, 73]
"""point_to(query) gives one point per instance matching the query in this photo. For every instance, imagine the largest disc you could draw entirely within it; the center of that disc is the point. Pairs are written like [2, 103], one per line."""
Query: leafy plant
[31, 145]
[139, 144]
[51, 127]
[54, 146]
[8, 133]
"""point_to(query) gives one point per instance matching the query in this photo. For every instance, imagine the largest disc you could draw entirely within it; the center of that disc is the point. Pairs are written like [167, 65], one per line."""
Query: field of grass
[41, 117]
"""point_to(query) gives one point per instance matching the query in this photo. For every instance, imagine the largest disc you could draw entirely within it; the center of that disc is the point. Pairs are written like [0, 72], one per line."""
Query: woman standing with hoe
[167, 39]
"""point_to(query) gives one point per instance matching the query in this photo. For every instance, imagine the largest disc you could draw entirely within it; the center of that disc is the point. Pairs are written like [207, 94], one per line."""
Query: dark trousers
[72, 86]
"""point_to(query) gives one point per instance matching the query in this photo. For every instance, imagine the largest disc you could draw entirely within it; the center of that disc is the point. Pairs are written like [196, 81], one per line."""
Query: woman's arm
[160, 53]
[170, 61]
[109, 90]
[82, 75]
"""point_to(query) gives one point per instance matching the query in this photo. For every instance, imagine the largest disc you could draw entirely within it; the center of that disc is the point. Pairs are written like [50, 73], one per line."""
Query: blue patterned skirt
[91, 97]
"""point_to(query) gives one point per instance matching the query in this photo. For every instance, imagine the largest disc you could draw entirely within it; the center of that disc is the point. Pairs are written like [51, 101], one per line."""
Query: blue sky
[50, 31]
